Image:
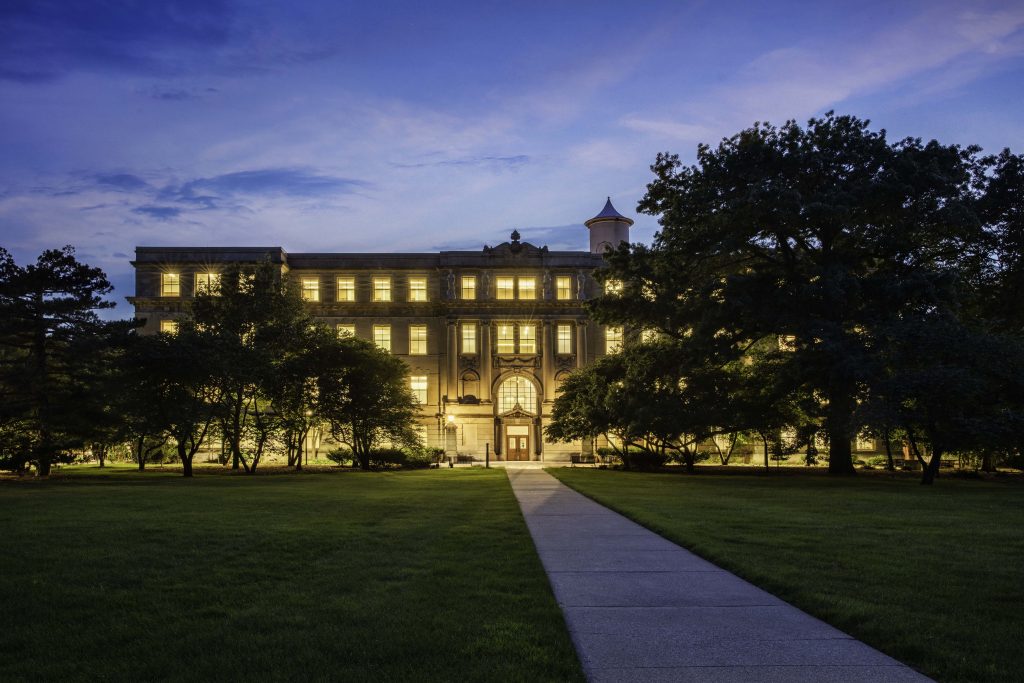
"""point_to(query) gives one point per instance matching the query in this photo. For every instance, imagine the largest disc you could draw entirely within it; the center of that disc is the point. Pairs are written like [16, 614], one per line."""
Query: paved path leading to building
[641, 608]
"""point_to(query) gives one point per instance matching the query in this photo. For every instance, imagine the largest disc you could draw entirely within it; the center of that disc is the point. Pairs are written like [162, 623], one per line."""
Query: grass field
[427, 575]
[929, 575]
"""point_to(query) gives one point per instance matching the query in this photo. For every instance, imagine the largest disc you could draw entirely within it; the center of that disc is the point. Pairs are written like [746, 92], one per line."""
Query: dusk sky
[416, 126]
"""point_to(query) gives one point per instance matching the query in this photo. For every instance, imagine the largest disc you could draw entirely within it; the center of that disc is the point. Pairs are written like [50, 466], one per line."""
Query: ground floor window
[418, 384]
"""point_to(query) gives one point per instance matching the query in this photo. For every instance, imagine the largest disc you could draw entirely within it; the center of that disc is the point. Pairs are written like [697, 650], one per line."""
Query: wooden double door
[517, 443]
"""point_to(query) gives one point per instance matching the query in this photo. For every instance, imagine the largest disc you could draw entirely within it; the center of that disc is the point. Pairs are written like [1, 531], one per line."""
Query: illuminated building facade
[488, 335]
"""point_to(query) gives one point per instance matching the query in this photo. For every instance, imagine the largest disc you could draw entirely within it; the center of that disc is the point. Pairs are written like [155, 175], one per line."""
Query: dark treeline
[811, 284]
[248, 369]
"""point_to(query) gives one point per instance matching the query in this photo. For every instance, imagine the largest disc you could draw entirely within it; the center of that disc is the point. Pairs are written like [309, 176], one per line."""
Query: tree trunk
[186, 459]
[298, 453]
[839, 428]
[140, 454]
[767, 465]
[931, 470]
[43, 467]
[987, 462]
[890, 465]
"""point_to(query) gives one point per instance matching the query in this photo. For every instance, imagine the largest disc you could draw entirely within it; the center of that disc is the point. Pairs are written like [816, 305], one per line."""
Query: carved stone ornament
[513, 362]
[565, 362]
[469, 362]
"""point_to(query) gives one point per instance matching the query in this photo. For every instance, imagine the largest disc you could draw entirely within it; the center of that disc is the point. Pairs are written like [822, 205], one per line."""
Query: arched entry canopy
[517, 423]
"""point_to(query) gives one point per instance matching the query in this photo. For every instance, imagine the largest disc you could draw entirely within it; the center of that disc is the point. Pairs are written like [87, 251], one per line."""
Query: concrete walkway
[640, 608]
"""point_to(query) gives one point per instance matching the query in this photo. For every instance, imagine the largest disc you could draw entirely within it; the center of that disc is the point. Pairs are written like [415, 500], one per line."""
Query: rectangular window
[169, 326]
[346, 289]
[506, 339]
[612, 287]
[612, 339]
[170, 284]
[311, 289]
[469, 287]
[418, 384]
[418, 340]
[417, 289]
[468, 338]
[648, 336]
[382, 336]
[527, 339]
[382, 289]
[527, 288]
[346, 330]
[564, 333]
[563, 287]
[207, 283]
[504, 288]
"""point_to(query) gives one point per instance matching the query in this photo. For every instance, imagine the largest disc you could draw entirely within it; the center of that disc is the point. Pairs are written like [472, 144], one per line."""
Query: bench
[464, 459]
[580, 459]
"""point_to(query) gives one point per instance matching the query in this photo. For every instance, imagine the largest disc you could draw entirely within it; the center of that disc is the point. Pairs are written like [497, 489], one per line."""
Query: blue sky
[411, 126]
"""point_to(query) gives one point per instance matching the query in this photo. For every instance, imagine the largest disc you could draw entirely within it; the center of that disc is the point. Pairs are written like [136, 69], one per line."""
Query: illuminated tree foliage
[819, 236]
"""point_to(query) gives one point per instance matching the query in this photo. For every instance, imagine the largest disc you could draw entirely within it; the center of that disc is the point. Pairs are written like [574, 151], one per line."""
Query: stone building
[487, 334]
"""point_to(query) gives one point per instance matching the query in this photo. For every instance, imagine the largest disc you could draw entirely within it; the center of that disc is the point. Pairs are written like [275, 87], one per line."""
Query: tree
[173, 395]
[252, 319]
[813, 235]
[365, 396]
[48, 330]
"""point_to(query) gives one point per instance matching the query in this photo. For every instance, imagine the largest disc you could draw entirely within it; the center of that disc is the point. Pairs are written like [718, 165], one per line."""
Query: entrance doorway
[517, 442]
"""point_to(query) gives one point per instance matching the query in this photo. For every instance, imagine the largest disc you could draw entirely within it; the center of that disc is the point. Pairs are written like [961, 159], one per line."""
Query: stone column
[547, 362]
[485, 360]
[581, 343]
[453, 360]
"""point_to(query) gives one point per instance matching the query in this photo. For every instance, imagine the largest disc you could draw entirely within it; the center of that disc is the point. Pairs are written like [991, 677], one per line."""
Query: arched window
[470, 384]
[517, 389]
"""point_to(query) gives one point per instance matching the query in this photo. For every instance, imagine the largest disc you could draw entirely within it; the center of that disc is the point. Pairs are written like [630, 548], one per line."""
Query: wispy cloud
[497, 162]
[160, 213]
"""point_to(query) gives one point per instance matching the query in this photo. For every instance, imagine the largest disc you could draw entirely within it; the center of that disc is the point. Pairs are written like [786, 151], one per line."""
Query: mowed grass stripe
[929, 575]
[425, 575]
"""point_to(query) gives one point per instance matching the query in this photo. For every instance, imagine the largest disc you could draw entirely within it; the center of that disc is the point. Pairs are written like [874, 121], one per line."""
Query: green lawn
[427, 575]
[930, 575]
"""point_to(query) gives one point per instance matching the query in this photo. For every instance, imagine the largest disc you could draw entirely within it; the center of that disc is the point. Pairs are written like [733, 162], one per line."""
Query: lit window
[346, 330]
[506, 339]
[527, 288]
[612, 339]
[648, 336]
[207, 283]
[418, 384]
[787, 342]
[418, 340]
[169, 326]
[382, 289]
[613, 287]
[346, 289]
[563, 287]
[417, 289]
[311, 289]
[527, 339]
[382, 336]
[246, 281]
[468, 338]
[504, 288]
[517, 391]
[468, 286]
[564, 333]
[170, 284]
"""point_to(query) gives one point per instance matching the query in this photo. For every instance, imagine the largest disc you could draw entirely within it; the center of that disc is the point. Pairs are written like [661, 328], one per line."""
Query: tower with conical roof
[608, 229]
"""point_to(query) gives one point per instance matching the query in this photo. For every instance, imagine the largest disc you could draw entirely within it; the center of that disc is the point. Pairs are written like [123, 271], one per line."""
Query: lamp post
[450, 428]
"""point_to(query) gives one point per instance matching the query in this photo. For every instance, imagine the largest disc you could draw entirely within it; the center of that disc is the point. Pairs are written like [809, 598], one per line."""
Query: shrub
[340, 456]
[422, 459]
[387, 457]
[644, 460]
